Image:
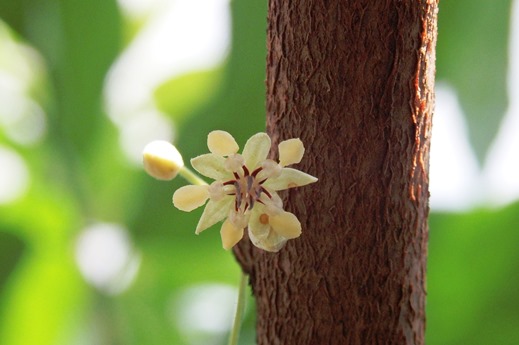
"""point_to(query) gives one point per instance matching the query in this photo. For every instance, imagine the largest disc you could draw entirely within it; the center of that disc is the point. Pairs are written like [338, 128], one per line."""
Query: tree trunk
[354, 80]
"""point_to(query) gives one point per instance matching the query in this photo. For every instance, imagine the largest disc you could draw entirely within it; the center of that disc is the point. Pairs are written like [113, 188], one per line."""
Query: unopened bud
[162, 160]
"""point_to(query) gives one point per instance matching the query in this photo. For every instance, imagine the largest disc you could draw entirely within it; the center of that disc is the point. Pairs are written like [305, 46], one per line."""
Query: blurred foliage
[472, 56]
[473, 277]
[79, 176]
[196, 89]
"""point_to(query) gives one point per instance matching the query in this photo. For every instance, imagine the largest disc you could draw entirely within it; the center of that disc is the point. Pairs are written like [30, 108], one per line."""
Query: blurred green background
[91, 249]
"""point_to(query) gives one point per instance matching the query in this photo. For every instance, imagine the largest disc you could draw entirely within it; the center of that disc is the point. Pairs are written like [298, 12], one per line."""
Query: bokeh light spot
[454, 171]
[106, 257]
[14, 176]
[204, 313]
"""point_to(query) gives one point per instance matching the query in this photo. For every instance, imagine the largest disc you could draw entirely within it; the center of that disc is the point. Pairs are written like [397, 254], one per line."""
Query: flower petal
[162, 160]
[269, 169]
[234, 162]
[230, 235]
[210, 165]
[286, 224]
[291, 151]
[222, 143]
[239, 219]
[256, 150]
[289, 178]
[188, 198]
[272, 204]
[272, 243]
[261, 233]
[214, 212]
[259, 226]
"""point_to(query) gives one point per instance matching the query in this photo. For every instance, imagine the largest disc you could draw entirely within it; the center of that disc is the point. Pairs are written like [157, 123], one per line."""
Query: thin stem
[240, 308]
[191, 177]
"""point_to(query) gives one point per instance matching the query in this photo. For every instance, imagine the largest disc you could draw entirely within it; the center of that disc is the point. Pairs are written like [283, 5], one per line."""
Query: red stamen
[266, 192]
[255, 172]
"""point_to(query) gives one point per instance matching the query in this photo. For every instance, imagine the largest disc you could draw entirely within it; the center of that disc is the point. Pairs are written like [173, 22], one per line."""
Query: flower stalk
[191, 177]
[240, 310]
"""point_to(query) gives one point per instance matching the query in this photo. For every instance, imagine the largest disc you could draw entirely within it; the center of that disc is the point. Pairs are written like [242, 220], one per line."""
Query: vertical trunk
[354, 80]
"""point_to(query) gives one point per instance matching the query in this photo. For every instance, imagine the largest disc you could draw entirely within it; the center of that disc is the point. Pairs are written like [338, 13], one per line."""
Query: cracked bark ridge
[354, 80]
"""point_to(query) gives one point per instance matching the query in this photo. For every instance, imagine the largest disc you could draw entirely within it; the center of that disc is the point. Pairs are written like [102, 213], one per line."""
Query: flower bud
[162, 160]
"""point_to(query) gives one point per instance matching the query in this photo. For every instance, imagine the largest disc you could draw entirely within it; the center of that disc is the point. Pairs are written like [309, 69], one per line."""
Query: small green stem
[191, 177]
[240, 308]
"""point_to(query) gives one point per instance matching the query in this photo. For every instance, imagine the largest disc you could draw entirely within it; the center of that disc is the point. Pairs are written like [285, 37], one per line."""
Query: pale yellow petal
[290, 151]
[210, 165]
[269, 169]
[239, 219]
[222, 143]
[261, 233]
[272, 243]
[216, 191]
[230, 235]
[214, 212]
[259, 226]
[162, 160]
[256, 150]
[286, 224]
[275, 200]
[188, 198]
[289, 178]
[234, 163]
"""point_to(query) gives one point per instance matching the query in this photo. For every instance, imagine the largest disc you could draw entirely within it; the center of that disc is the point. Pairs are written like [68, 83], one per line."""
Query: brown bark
[354, 80]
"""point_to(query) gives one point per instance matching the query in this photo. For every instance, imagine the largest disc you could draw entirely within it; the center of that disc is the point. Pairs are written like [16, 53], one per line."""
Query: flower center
[247, 189]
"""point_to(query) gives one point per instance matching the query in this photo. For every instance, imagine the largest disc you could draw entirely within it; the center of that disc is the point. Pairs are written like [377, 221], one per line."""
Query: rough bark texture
[354, 80]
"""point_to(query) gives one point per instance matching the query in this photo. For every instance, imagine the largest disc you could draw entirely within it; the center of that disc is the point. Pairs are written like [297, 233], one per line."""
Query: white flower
[244, 191]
